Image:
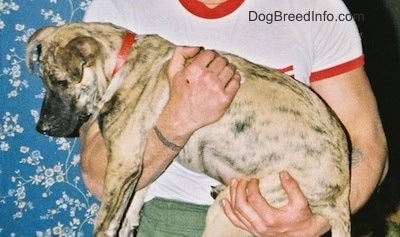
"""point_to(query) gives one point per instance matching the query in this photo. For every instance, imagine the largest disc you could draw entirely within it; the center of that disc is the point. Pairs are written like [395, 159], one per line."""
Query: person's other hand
[249, 210]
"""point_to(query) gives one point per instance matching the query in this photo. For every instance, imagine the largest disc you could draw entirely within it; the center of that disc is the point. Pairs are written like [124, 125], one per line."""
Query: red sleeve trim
[337, 70]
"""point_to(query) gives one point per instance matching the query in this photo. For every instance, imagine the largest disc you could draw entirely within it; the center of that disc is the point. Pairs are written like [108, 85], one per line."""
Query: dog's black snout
[43, 128]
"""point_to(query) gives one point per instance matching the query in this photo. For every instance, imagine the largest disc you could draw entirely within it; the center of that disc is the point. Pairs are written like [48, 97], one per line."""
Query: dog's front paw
[216, 190]
[128, 232]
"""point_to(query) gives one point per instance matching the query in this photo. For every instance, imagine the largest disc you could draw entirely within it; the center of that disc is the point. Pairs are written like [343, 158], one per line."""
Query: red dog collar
[126, 46]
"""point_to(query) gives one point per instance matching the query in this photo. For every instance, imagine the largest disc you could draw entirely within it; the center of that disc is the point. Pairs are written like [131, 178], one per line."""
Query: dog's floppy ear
[35, 41]
[84, 47]
[80, 52]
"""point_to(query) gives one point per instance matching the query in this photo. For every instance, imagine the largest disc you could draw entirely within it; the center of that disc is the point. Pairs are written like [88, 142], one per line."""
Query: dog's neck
[116, 78]
[136, 67]
[123, 54]
[124, 51]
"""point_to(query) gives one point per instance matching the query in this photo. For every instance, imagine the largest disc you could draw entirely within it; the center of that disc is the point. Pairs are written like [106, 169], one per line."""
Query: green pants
[169, 218]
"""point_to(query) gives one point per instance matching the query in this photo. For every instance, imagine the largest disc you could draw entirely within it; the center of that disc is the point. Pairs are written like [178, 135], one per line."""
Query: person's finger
[179, 57]
[226, 73]
[241, 203]
[218, 64]
[265, 213]
[204, 58]
[232, 190]
[292, 189]
[255, 198]
[228, 210]
[237, 201]
[233, 85]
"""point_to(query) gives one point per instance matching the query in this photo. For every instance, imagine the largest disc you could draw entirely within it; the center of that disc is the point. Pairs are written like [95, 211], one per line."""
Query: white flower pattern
[41, 188]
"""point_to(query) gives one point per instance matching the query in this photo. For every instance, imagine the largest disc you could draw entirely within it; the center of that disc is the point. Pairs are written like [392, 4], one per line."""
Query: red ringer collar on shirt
[199, 9]
[123, 53]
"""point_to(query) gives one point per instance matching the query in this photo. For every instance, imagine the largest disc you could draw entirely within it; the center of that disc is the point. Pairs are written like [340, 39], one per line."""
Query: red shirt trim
[289, 70]
[337, 70]
[199, 9]
[286, 69]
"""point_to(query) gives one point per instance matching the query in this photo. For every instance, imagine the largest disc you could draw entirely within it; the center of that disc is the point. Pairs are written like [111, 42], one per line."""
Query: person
[313, 47]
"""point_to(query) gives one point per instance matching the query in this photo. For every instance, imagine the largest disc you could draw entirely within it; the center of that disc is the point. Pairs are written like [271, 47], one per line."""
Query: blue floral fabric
[41, 188]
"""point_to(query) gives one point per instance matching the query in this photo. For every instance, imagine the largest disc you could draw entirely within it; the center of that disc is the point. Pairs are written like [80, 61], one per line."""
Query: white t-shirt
[306, 39]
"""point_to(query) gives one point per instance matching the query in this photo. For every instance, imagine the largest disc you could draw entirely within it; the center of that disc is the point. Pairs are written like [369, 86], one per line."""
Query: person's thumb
[178, 60]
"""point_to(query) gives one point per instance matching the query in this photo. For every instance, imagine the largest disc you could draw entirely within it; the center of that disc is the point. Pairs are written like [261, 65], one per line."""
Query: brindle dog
[274, 123]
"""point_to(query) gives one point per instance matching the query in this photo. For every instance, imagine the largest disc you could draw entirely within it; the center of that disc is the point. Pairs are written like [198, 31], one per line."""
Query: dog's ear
[84, 47]
[35, 42]
[80, 52]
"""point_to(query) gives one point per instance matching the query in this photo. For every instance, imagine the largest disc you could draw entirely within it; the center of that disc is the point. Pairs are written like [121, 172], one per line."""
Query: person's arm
[351, 97]
[199, 95]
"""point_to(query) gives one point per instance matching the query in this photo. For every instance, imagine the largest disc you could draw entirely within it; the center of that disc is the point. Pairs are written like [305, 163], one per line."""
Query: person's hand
[200, 92]
[248, 210]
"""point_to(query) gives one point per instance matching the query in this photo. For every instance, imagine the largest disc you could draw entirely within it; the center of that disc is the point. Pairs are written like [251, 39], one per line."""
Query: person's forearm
[93, 159]
[156, 158]
[157, 155]
[351, 97]
[368, 169]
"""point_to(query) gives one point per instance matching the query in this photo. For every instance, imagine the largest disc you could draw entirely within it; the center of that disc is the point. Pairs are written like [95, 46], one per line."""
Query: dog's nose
[43, 128]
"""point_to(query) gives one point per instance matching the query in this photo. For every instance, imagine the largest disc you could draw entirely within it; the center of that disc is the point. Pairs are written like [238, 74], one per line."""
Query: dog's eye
[63, 83]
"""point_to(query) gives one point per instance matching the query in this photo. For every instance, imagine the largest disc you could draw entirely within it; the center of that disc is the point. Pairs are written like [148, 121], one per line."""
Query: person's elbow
[95, 187]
